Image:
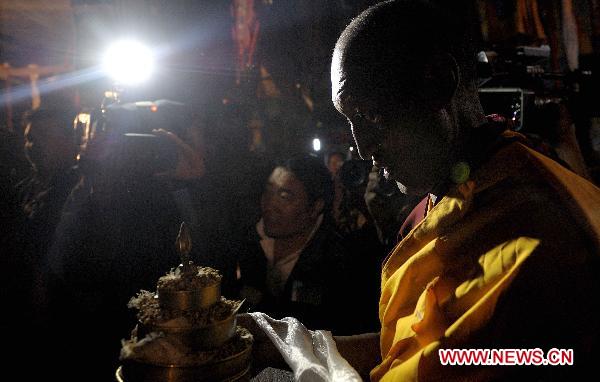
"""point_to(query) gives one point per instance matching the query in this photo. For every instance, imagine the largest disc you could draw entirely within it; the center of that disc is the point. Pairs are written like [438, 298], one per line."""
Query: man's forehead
[355, 90]
[342, 93]
[348, 85]
[281, 177]
[348, 99]
[347, 79]
[338, 78]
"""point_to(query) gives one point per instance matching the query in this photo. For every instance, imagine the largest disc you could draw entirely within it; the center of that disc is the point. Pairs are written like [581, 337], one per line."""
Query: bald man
[508, 240]
[503, 254]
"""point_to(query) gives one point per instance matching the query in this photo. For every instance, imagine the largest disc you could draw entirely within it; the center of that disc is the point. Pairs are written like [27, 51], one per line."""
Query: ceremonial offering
[186, 330]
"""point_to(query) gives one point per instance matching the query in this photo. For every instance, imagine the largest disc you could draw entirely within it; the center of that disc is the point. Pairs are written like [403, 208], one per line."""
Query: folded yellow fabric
[492, 250]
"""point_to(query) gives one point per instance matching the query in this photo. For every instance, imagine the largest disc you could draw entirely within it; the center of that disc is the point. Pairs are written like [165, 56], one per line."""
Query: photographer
[350, 212]
[117, 230]
[369, 202]
[387, 209]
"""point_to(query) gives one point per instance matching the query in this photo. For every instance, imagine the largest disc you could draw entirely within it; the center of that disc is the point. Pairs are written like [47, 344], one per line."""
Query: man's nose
[366, 141]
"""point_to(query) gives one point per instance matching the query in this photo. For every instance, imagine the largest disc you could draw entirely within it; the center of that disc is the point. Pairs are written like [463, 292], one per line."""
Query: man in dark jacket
[294, 263]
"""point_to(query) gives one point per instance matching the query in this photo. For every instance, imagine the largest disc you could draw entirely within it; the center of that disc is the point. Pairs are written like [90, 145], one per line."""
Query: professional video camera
[125, 132]
[119, 138]
[517, 84]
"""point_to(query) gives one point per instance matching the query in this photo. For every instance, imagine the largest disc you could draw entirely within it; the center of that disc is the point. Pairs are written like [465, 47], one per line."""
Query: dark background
[278, 102]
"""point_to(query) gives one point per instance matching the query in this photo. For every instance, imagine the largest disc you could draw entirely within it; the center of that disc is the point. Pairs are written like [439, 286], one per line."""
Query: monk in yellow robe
[503, 260]
[507, 254]
[506, 257]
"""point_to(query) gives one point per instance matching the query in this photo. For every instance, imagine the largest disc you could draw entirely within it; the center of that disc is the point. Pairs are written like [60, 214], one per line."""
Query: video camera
[517, 84]
[125, 134]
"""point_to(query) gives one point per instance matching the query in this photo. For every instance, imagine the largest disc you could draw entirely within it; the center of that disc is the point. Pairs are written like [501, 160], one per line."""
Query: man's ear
[317, 208]
[441, 79]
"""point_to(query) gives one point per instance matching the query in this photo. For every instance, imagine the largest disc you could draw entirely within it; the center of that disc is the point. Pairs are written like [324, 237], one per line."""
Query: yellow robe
[500, 245]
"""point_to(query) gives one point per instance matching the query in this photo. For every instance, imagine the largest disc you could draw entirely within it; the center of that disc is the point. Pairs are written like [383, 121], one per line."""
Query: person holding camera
[506, 256]
[117, 230]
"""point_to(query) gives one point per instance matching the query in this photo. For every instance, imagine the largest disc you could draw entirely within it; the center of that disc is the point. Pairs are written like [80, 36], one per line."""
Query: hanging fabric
[583, 17]
[245, 34]
[527, 20]
[569, 35]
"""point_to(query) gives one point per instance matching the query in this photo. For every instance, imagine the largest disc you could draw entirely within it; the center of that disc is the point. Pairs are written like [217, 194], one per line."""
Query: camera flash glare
[128, 62]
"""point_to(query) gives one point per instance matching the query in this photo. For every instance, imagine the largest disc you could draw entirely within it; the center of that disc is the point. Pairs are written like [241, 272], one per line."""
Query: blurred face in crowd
[48, 147]
[409, 140]
[334, 163]
[286, 210]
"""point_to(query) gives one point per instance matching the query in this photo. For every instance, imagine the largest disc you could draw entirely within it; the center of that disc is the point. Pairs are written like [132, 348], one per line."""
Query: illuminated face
[411, 142]
[286, 210]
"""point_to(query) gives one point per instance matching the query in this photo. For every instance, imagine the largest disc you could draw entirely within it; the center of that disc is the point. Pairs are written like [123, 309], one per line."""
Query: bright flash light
[128, 62]
[316, 144]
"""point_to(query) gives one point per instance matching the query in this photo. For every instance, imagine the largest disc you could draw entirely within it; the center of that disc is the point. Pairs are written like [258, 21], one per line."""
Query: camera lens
[387, 187]
[355, 173]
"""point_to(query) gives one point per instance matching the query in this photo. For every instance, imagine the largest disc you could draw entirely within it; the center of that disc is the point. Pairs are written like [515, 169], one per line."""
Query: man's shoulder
[521, 184]
[523, 167]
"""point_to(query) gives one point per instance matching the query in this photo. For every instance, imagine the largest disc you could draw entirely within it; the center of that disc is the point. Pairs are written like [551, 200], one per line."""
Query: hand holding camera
[190, 163]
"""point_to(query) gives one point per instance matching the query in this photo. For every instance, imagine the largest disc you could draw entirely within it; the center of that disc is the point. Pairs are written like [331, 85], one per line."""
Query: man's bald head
[403, 75]
[396, 47]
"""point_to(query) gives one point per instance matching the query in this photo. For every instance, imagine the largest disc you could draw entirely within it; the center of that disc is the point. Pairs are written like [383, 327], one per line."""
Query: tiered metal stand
[195, 339]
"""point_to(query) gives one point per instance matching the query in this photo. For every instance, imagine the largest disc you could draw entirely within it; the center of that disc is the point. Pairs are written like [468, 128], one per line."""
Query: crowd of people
[90, 225]
[490, 244]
